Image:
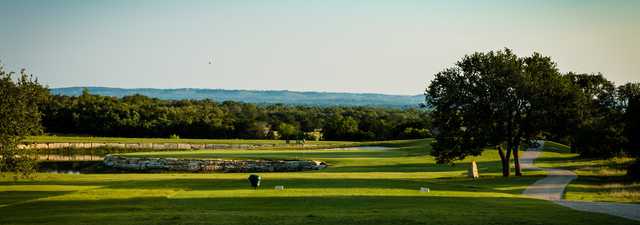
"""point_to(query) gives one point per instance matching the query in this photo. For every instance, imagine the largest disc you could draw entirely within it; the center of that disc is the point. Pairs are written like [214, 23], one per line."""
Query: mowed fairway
[359, 187]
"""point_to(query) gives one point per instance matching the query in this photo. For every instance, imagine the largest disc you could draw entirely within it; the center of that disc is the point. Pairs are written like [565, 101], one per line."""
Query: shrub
[634, 170]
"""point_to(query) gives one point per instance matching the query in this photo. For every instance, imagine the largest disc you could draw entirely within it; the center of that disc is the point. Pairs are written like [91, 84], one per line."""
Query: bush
[598, 142]
[17, 160]
[415, 133]
[634, 170]
[19, 116]
[174, 136]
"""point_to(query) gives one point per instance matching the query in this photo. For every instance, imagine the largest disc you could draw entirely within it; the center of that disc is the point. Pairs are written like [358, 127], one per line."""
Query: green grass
[556, 147]
[598, 179]
[359, 187]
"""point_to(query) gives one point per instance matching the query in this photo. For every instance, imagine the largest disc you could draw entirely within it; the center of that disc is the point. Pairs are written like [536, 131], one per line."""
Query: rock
[156, 146]
[115, 145]
[212, 165]
[473, 170]
[98, 145]
[75, 145]
[220, 146]
[131, 146]
[254, 180]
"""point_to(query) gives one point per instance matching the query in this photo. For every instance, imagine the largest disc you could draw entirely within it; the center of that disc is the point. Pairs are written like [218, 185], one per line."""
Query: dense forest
[142, 116]
[261, 97]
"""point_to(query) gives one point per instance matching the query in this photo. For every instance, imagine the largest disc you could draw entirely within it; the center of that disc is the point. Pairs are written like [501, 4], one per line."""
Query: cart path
[552, 188]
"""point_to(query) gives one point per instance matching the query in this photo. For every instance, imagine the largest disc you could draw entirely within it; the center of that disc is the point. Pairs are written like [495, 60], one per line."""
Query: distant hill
[258, 97]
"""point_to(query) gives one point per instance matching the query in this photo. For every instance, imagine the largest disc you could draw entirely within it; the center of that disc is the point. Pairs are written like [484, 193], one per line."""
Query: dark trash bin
[254, 180]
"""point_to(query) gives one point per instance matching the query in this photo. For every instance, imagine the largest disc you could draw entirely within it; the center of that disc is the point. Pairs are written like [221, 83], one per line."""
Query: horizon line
[257, 90]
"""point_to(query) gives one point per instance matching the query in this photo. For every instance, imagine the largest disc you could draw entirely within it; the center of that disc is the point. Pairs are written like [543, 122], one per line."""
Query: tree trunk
[505, 159]
[516, 160]
[505, 162]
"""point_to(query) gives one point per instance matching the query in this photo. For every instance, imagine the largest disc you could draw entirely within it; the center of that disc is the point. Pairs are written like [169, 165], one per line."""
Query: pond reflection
[55, 157]
[70, 167]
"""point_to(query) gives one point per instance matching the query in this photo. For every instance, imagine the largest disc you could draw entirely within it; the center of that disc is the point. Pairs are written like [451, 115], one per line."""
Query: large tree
[598, 128]
[19, 117]
[629, 99]
[496, 98]
[287, 131]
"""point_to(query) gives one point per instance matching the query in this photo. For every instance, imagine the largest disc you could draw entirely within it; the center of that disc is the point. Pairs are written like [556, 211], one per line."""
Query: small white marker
[424, 189]
[279, 187]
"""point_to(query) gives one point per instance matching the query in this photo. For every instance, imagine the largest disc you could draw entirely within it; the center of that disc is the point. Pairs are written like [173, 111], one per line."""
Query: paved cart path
[552, 188]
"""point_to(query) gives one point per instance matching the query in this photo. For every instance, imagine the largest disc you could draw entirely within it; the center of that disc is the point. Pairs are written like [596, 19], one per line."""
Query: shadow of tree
[303, 210]
[495, 184]
[15, 197]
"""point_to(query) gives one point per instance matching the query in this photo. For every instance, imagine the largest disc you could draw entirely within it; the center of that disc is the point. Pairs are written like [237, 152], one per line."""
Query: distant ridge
[259, 97]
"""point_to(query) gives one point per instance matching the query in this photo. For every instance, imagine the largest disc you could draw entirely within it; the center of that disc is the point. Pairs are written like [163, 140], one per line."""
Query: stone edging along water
[154, 146]
[144, 164]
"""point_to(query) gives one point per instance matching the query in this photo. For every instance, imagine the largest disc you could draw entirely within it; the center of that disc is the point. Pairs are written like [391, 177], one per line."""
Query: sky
[391, 47]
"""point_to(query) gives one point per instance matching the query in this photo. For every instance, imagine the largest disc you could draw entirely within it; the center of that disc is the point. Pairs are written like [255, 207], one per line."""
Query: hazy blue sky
[348, 46]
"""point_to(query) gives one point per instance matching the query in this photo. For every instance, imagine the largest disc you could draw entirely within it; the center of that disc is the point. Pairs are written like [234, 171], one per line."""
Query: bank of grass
[602, 180]
[556, 147]
[359, 187]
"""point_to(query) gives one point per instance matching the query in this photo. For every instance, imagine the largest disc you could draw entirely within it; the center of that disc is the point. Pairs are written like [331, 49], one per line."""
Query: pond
[69, 161]
[56, 157]
[70, 167]
[362, 148]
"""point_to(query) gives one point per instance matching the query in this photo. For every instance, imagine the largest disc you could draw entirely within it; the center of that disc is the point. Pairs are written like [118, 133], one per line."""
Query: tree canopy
[629, 101]
[141, 116]
[599, 116]
[496, 98]
[19, 117]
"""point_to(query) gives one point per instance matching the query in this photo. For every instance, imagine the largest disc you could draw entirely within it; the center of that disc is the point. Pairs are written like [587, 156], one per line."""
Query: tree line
[141, 116]
[500, 99]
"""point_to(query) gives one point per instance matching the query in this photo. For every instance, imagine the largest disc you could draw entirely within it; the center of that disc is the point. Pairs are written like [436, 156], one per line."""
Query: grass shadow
[8, 198]
[304, 210]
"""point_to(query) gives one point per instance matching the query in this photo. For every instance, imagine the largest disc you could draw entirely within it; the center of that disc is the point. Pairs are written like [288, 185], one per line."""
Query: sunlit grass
[358, 187]
[557, 147]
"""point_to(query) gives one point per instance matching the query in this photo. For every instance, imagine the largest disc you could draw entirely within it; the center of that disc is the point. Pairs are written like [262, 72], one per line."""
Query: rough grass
[598, 179]
[359, 187]
[556, 147]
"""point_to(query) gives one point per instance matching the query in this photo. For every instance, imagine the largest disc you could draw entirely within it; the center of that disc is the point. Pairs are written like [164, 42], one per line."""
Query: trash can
[254, 180]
